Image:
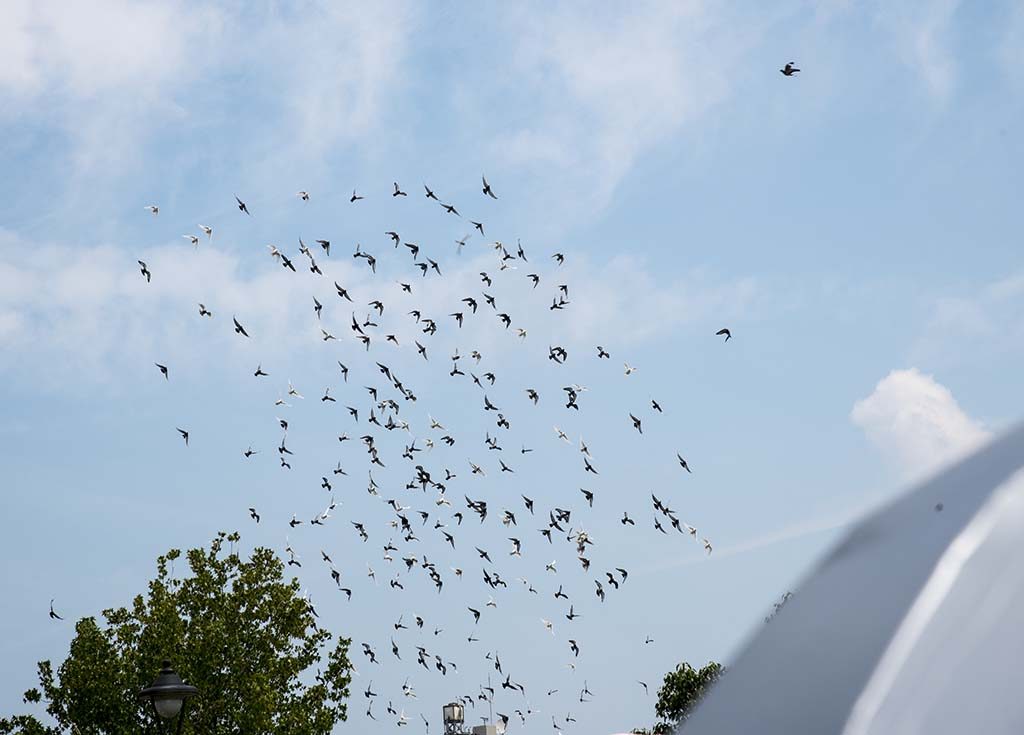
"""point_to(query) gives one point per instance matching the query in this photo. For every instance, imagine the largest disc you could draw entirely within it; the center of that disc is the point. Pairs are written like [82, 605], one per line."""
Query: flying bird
[487, 188]
[789, 69]
[241, 206]
[725, 332]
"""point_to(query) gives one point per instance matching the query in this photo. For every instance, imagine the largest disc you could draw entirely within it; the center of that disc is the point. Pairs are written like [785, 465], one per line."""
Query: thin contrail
[792, 532]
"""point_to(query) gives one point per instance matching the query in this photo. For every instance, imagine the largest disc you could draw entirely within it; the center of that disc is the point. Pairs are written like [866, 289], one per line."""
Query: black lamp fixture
[167, 694]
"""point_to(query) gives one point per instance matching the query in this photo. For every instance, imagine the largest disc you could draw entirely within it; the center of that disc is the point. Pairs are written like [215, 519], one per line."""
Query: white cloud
[1010, 50]
[103, 72]
[608, 85]
[336, 85]
[917, 423]
[88, 309]
[612, 84]
[919, 32]
[112, 73]
[620, 297]
[17, 71]
[983, 325]
[84, 49]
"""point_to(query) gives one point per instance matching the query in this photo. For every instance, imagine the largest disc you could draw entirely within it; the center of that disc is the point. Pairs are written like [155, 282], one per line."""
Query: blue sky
[855, 226]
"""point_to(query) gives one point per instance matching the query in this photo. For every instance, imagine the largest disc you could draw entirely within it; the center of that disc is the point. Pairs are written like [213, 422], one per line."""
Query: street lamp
[453, 717]
[167, 694]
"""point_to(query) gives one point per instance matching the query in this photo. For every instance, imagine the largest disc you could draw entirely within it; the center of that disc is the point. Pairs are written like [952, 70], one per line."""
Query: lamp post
[453, 718]
[167, 695]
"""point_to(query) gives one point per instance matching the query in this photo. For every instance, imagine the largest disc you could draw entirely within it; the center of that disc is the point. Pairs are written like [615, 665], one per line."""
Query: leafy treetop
[234, 628]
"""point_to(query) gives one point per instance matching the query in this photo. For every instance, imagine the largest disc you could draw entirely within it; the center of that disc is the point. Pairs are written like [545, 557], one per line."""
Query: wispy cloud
[112, 74]
[614, 83]
[89, 308]
[104, 72]
[1010, 50]
[920, 35]
[985, 323]
[333, 86]
[83, 52]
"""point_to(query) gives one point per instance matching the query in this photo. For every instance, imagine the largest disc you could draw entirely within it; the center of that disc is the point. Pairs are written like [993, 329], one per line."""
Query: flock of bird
[383, 414]
[446, 506]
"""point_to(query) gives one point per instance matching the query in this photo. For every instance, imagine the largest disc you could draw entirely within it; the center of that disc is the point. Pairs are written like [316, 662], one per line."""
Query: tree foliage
[680, 692]
[682, 689]
[234, 628]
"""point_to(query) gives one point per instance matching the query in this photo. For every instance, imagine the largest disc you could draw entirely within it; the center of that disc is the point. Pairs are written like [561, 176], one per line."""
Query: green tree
[682, 689]
[680, 692]
[234, 628]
